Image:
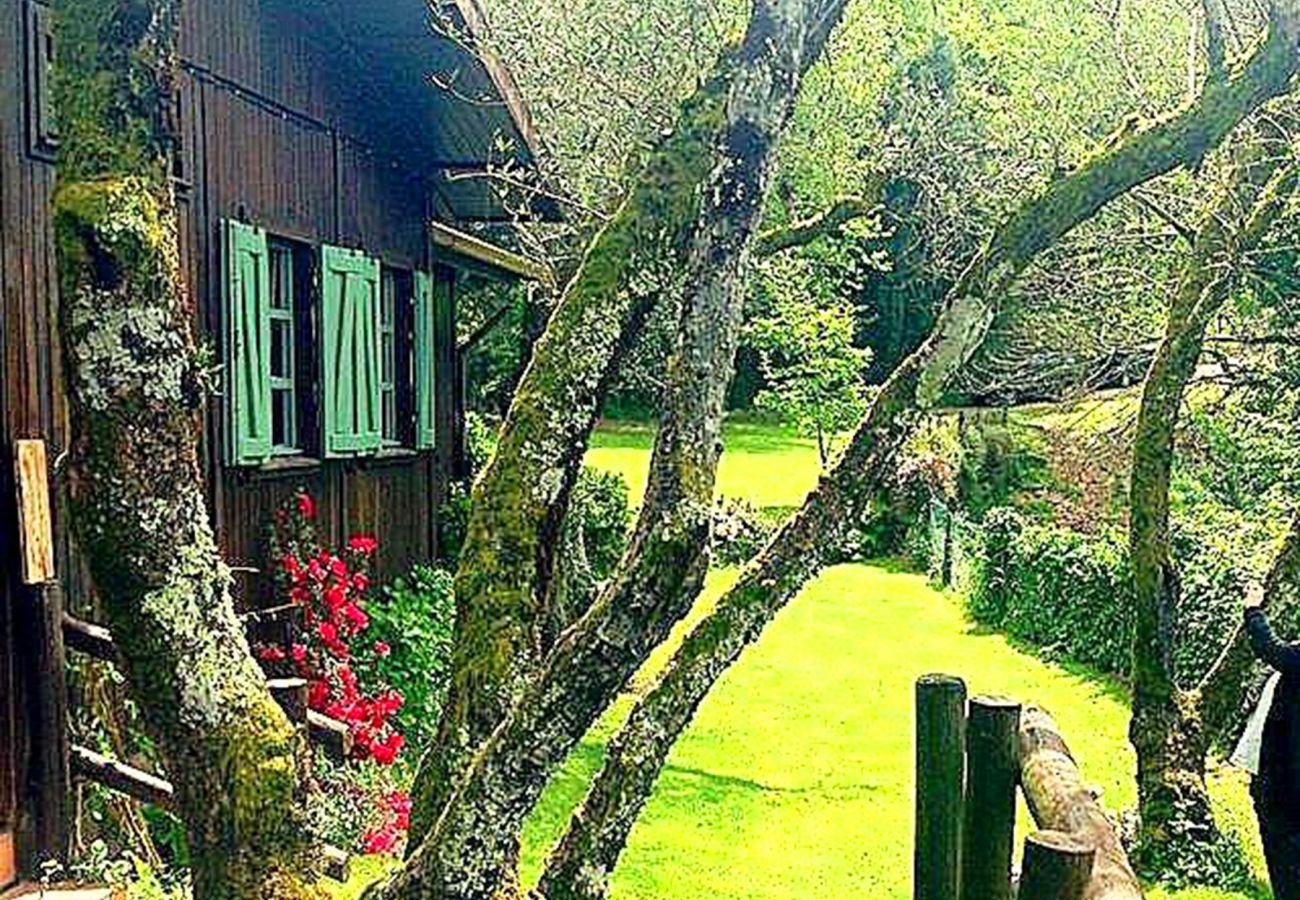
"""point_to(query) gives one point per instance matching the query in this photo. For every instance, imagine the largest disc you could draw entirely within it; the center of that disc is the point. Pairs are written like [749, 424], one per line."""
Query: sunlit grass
[795, 779]
[767, 465]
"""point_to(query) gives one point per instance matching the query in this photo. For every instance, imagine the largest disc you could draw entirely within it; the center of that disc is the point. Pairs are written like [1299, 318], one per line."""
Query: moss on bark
[137, 382]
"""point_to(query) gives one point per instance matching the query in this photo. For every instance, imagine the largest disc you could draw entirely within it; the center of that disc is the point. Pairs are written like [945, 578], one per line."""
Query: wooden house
[326, 182]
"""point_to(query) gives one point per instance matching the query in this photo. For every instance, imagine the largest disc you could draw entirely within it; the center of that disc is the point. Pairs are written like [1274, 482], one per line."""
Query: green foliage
[814, 374]
[600, 509]
[415, 618]
[1068, 593]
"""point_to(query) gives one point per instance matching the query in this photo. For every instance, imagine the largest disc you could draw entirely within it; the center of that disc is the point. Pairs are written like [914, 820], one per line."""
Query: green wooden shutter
[248, 345]
[350, 352]
[425, 365]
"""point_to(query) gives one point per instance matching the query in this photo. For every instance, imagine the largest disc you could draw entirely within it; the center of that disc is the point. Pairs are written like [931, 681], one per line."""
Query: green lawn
[768, 465]
[795, 779]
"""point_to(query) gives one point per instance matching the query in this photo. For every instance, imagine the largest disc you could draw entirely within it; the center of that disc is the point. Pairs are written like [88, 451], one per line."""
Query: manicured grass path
[795, 779]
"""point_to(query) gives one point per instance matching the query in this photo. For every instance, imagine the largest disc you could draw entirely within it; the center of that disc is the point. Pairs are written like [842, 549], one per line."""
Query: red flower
[382, 649]
[360, 582]
[270, 653]
[306, 506]
[386, 752]
[334, 598]
[362, 543]
[318, 694]
[383, 840]
[299, 652]
[328, 633]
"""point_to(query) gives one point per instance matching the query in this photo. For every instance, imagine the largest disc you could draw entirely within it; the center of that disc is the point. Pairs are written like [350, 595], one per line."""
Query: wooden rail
[334, 736]
[147, 788]
[965, 828]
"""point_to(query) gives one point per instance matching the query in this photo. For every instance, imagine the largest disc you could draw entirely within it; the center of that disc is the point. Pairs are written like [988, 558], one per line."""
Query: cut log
[333, 735]
[1060, 801]
[93, 640]
[1058, 866]
[940, 786]
[993, 771]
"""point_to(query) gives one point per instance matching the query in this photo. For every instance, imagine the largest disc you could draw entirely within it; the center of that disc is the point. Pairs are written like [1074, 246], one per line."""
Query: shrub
[599, 507]
[412, 626]
[739, 531]
[1061, 590]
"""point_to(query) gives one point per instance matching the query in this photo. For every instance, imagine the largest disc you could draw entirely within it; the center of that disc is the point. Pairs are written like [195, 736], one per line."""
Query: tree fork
[520, 501]
[792, 555]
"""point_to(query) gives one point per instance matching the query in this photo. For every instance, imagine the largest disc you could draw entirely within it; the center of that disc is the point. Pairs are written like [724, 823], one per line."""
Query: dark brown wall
[269, 139]
[31, 406]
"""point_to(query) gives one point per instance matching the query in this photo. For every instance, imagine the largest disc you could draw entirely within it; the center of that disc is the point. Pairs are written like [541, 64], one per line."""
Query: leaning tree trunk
[470, 850]
[597, 833]
[1167, 729]
[137, 384]
[520, 502]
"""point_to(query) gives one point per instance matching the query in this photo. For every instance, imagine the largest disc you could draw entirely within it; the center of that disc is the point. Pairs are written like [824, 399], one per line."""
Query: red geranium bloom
[306, 506]
[363, 543]
[382, 649]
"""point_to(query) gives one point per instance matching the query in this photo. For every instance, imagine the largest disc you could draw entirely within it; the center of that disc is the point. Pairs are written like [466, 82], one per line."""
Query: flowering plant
[331, 590]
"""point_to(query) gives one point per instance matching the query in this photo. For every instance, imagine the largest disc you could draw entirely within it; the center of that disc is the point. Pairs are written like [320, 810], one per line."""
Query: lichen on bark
[136, 383]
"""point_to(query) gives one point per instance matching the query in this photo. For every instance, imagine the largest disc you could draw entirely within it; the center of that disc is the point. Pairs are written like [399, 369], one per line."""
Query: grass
[795, 779]
[767, 465]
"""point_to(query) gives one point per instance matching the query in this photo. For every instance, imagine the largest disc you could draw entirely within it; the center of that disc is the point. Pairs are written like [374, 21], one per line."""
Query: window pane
[283, 430]
[281, 348]
[281, 278]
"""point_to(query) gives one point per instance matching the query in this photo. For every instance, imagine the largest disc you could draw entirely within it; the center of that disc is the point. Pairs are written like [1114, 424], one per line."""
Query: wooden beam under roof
[471, 13]
[457, 244]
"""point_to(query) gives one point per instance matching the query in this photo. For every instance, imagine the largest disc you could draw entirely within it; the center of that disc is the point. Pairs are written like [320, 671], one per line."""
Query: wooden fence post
[940, 786]
[993, 773]
[1058, 866]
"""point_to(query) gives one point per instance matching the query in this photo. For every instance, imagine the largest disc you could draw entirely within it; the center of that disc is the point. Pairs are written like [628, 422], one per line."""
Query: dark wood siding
[270, 140]
[31, 406]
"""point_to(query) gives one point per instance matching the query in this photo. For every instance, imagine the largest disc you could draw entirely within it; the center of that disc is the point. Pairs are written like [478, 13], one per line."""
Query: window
[283, 363]
[327, 352]
[390, 296]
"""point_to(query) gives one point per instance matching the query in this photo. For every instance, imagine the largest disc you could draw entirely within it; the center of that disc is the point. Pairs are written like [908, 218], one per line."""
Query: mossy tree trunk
[1178, 830]
[137, 383]
[505, 572]
[598, 832]
[471, 850]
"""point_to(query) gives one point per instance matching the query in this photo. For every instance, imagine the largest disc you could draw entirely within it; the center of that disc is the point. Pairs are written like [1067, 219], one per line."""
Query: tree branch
[520, 501]
[637, 755]
[470, 849]
[827, 222]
